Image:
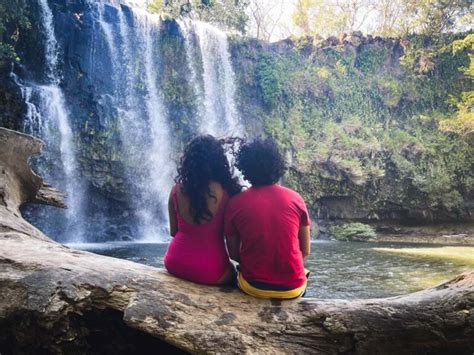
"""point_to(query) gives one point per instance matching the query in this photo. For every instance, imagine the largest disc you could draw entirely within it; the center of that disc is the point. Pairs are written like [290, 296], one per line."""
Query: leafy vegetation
[268, 77]
[389, 122]
[462, 122]
[386, 17]
[13, 22]
[349, 232]
[367, 122]
[228, 13]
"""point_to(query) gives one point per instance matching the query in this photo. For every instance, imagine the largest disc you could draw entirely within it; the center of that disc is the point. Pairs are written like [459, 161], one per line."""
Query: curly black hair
[204, 160]
[261, 162]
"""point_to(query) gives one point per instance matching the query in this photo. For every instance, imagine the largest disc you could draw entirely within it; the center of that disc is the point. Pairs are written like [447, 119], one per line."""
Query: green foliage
[351, 232]
[434, 16]
[320, 17]
[13, 22]
[386, 17]
[363, 125]
[462, 122]
[228, 13]
[371, 58]
[268, 76]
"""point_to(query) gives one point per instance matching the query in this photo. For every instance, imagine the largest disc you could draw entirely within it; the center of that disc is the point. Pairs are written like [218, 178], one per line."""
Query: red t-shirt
[267, 219]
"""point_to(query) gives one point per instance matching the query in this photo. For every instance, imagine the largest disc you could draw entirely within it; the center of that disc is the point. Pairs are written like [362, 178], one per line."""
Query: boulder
[58, 300]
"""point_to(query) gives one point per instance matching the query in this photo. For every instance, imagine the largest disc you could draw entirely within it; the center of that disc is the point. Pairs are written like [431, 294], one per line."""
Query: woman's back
[213, 202]
[197, 252]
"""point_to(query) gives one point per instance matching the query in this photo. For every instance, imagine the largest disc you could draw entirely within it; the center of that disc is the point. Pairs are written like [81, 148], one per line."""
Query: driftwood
[58, 300]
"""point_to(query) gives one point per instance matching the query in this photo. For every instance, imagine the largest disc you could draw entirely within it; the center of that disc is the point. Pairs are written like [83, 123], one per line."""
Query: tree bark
[58, 300]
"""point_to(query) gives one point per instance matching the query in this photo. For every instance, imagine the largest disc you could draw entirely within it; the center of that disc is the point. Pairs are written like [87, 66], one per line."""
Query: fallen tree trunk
[58, 300]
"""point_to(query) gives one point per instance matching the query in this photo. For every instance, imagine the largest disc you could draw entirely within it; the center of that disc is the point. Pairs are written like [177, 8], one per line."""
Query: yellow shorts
[246, 287]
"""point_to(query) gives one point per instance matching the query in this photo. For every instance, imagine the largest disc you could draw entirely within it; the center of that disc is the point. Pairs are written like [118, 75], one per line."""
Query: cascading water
[219, 116]
[113, 72]
[155, 187]
[217, 108]
[142, 117]
[47, 117]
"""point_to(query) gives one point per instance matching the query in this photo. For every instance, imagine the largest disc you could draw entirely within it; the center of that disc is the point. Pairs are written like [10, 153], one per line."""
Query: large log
[58, 300]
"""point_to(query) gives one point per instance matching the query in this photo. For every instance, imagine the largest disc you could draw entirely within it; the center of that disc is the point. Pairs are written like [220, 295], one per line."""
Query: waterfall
[159, 164]
[116, 69]
[218, 110]
[193, 57]
[143, 123]
[47, 117]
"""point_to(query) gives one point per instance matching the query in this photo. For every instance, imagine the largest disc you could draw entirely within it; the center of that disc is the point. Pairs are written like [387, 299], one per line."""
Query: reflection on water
[339, 269]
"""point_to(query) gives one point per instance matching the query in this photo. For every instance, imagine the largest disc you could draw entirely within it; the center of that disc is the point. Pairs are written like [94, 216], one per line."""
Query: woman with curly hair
[267, 226]
[196, 207]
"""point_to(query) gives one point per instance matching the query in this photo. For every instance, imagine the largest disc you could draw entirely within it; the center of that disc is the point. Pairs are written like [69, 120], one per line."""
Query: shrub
[353, 232]
[269, 79]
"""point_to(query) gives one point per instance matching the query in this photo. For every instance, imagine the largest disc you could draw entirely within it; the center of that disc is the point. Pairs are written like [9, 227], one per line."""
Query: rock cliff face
[359, 119]
[58, 300]
[347, 111]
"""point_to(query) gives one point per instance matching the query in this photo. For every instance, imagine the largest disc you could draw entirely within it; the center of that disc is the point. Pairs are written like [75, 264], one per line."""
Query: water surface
[339, 269]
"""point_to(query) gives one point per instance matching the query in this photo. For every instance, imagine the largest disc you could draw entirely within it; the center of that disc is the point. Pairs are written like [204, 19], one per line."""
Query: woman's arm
[233, 247]
[304, 237]
[172, 215]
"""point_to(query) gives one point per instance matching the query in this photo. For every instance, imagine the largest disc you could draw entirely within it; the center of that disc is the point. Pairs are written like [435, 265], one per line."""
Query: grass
[459, 255]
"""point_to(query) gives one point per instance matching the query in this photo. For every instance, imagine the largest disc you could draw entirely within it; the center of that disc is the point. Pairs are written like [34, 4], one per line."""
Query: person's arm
[304, 237]
[233, 247]
[172, 216]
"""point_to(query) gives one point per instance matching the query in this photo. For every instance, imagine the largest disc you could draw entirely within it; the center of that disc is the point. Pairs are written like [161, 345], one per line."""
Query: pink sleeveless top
[197, 252]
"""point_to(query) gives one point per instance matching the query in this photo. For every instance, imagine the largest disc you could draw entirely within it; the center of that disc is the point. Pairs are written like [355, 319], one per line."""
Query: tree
[265, 16]
[228, 13]
[328, 17]
[388, 17]
[317, 17]
[434, 16]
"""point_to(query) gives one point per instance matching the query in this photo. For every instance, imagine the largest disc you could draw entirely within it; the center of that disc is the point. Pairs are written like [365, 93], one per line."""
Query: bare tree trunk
[58, 300]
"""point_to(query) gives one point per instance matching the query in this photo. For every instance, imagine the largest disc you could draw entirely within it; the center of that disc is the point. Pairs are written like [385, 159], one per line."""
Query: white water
[51, 44]
[159, 157]
[217, 108]
[193, 57]
[143, 120]
[47, 117]
[220, 115]
[125, 55]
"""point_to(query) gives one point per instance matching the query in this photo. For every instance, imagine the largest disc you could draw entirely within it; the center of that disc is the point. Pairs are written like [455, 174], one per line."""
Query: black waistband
[269, 287]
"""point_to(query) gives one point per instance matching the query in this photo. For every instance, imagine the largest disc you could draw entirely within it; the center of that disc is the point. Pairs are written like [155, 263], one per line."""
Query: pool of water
[339, 269]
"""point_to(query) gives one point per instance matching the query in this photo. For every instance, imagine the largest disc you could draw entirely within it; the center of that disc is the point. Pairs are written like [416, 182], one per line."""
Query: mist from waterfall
[47, 117]
[133, 46]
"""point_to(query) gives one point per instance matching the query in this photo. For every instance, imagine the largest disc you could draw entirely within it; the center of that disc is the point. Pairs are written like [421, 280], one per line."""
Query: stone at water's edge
[58, 300]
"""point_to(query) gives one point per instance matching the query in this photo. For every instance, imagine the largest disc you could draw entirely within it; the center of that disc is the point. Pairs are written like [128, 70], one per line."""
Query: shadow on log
[58, 300]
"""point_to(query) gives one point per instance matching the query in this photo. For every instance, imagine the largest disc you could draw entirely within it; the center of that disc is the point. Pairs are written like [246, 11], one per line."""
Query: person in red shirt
[267, 226]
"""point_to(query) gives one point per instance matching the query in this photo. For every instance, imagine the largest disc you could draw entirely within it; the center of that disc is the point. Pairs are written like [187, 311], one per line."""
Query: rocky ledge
[58, 300]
